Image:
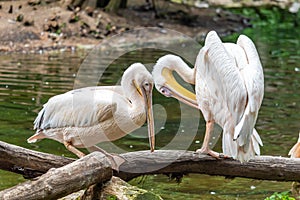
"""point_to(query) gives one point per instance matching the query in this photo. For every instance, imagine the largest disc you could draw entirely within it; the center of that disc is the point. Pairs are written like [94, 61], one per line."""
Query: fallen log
[59, 182]
[161, 162]
[27, 162]
[184, 162]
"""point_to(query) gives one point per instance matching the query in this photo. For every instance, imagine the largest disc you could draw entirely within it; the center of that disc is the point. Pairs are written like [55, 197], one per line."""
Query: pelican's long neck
[164, 79]
[175, 63]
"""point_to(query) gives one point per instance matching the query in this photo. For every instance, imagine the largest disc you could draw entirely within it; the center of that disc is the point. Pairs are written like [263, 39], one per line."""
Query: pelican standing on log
[85, 117]
[229, 86]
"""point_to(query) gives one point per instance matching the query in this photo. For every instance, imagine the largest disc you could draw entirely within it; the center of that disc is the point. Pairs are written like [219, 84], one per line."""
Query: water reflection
[28, 81]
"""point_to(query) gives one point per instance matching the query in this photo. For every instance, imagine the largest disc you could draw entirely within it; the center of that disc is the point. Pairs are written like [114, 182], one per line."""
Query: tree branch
[59, 182]
[159, 162]
[170, 161]
[27, 162]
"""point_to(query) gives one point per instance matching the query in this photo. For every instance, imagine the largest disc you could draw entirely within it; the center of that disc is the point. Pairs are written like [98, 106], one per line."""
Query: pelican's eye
[165, 91]
[147, 85]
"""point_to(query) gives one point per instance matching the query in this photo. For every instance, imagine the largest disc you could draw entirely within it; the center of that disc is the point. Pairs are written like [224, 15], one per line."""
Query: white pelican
[295, 150]
[85, 117]
[229, 88]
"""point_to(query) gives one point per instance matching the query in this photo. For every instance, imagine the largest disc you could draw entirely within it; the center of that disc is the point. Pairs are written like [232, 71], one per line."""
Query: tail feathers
[37, 136]
[246, 152]
[39, 119]
[245, 156]
[256, 137]
[246, 136]
[243, 152]
[244, 127]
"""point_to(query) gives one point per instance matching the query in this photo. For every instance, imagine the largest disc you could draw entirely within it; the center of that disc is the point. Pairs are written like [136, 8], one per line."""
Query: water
[28, 81]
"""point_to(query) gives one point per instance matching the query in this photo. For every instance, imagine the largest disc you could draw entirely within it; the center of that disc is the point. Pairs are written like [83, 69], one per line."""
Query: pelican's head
[140, 78]
[167, 85]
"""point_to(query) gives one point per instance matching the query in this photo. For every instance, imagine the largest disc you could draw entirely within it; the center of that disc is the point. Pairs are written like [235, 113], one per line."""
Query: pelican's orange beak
[147, 94]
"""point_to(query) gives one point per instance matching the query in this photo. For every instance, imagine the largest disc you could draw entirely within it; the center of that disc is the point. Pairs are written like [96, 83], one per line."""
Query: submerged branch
[31, 164]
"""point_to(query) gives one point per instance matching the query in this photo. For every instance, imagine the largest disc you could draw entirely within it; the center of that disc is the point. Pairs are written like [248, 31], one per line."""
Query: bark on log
[160, 162]
[184, 162]
[27, 162]
[91, 169]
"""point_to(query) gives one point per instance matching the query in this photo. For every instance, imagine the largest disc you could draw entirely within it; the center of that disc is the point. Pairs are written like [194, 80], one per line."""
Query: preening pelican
[85, 117]
[229, 88]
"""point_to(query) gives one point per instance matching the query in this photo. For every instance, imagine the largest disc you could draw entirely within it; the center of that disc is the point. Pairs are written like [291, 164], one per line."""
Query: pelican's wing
[117, 89]
[254, 80]
[253, 73]
[220, 73]
[80, 108]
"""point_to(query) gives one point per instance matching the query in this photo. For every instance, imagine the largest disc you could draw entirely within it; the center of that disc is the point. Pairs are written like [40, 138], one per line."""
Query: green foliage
[147, 196]
[266, 16]
[111, 197]
[280, 196]
[108, 27]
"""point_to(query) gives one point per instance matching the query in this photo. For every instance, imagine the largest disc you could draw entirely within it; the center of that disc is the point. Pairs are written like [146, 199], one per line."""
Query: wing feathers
[223, 74]
[80, 108]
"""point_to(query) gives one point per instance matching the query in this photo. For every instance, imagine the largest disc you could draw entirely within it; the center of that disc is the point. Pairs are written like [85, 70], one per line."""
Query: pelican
[229, 86]
[295, 150]
[82, 118]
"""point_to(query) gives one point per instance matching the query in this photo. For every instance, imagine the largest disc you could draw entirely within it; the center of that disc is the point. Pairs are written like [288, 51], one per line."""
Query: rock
[122, 190]
[116, 189]
[10, 11]
[34, 2]
[20, 18]
[28, 22]
[294, 7]
[160, 25]
[89, 11]
[74, 18]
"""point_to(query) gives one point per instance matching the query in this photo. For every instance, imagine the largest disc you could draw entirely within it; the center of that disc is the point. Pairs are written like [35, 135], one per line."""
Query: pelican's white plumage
[85, 117]
[295, 150]
[229, 87]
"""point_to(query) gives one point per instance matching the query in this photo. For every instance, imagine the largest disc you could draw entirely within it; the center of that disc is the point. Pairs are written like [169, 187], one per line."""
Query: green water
[28, 81]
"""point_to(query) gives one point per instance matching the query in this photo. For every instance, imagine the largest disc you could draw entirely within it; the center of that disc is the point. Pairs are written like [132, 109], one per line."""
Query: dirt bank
[36, 26]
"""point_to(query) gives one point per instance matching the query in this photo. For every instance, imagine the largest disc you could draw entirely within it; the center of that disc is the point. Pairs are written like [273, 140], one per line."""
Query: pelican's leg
[205, 146]
[71, 148]
[115, 159]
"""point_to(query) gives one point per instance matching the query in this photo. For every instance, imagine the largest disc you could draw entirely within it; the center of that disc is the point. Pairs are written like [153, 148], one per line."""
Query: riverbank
[36, 26]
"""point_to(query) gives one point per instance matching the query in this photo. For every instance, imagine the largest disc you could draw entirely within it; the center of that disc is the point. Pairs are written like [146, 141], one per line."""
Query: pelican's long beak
[173, 89]
[150, 121]
[180, 94]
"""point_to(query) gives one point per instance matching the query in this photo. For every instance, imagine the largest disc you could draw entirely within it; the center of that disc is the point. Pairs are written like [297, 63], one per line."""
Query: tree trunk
[113, 5]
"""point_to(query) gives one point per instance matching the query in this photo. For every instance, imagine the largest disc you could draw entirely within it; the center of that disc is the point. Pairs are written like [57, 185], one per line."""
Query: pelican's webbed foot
[208, 151]
[115, 159]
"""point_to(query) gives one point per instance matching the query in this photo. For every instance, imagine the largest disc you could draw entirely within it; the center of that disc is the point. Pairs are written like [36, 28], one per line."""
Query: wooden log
[164, 161]
[91, 169]
[184, 162]
[27, 162]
